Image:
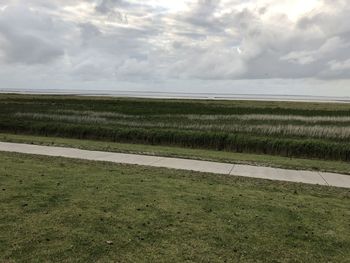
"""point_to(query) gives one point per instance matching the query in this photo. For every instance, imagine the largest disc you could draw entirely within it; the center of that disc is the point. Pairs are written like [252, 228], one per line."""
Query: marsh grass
[215, 117]
[197, 122]
[286, 129]
[62, 118]
[316, 131]
[269, 117]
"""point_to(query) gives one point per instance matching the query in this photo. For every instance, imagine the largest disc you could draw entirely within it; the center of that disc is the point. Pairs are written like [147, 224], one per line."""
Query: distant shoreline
[182, 95]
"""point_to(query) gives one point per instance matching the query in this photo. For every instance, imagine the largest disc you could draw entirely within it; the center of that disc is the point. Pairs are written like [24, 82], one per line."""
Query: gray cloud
[134, 41]
[29, 38]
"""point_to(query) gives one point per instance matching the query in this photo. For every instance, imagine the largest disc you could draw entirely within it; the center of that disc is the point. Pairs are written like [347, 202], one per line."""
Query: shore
[182, 95]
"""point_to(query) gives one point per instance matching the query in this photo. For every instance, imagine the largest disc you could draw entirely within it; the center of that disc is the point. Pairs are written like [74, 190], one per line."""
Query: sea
[181, 95]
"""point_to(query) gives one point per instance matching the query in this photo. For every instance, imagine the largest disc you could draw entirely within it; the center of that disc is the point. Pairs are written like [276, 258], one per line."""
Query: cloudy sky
[236, 46]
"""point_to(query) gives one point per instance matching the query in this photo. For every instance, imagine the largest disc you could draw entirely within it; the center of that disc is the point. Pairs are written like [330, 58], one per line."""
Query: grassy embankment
[287, 129]
[60, 210]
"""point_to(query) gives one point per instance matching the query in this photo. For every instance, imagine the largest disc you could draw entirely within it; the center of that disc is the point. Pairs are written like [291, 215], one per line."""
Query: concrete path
[307, 177]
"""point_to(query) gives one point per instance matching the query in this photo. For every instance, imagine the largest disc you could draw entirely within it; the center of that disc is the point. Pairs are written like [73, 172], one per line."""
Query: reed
[295, 130]
[62, 118]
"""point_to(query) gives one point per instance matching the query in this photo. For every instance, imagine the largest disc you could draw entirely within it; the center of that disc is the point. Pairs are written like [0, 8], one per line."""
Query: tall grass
[269, 128]
[62, 118]
[214, 117]
[89, 117]
[306, 148]
[321, 132]
[269, 117]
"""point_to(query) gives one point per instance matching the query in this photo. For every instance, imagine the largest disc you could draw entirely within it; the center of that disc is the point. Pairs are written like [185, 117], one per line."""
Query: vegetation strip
[337, 180]
[298, 130]
[198, 154]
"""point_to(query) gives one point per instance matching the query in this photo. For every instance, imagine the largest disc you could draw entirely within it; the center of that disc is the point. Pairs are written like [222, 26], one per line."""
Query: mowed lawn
[60, 210]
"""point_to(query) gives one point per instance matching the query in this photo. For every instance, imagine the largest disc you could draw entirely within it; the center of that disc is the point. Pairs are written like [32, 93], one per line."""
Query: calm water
[181, 95]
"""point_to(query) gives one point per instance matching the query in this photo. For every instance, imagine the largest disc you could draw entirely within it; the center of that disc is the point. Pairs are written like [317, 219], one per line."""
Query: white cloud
[185, 40]
[339, 65]
[330, 47]
[29, 37]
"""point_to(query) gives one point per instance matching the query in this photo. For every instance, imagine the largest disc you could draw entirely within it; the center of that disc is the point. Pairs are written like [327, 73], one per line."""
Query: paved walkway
[308, 177]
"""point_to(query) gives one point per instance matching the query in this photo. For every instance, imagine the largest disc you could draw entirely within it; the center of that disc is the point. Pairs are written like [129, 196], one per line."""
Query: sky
[231, 46]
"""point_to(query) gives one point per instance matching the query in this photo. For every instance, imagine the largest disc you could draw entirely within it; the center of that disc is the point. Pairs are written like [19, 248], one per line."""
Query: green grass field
[60, 210]
[289, 129]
